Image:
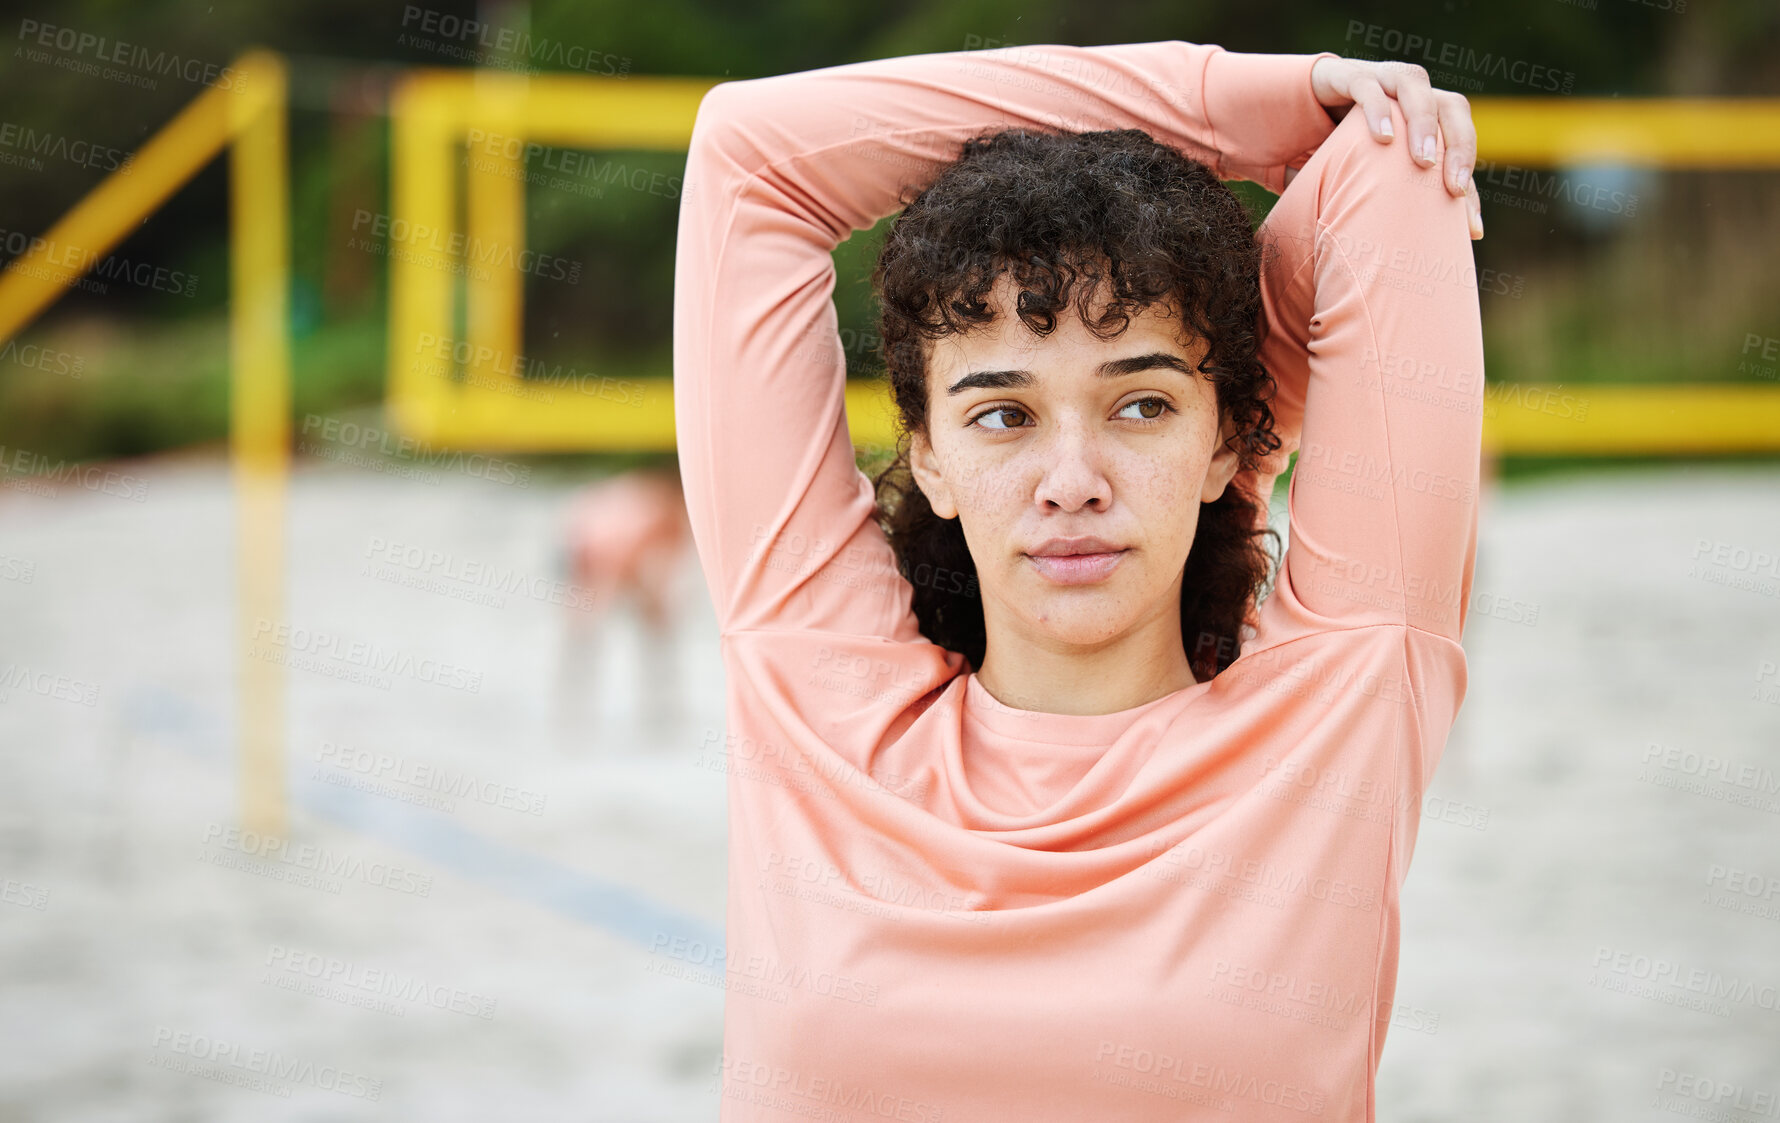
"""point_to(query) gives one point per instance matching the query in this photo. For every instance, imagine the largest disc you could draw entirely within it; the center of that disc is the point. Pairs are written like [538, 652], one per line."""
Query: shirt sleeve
[779, 172]
[1375, 341]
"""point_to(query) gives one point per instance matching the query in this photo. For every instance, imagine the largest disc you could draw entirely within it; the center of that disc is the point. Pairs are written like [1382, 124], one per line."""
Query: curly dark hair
[1066, 212]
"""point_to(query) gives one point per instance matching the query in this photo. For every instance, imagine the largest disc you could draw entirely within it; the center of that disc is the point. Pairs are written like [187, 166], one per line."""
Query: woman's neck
[1028, 672]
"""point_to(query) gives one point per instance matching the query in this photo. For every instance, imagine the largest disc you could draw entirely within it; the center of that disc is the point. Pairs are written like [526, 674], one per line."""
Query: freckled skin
[1075, 454]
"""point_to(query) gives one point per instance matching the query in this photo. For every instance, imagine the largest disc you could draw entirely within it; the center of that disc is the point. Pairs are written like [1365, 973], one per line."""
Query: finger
[1475, 206]
[1370, 99]
[1409, 84]
[1461, 141]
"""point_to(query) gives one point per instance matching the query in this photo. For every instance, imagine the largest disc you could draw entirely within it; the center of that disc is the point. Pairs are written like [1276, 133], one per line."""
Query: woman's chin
[1079, 619]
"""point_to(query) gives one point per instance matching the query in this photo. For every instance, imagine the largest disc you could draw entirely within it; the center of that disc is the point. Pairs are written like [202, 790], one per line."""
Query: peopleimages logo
[18, 676]
[31, 145]
[1270, 878]
[1460, 58]
[37, 39]
[229, 1062]
[65, 261]
[311, 859]
[358, 985]
[1168, 1073]
[503, 47]
[427, 776]
[299, 646]
[442, 355]
[438, 571]
[352, 435]
[27, 470]
[453, 245]
[50, 360]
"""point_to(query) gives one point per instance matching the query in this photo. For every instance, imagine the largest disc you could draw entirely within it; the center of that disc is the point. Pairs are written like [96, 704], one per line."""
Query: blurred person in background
[624, 539]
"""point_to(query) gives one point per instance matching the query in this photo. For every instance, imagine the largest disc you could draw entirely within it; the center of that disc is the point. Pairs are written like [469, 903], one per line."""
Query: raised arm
[1375, 340]
[779, 172]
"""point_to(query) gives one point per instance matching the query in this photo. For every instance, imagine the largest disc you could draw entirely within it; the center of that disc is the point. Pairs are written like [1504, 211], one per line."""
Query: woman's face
[1035, 439]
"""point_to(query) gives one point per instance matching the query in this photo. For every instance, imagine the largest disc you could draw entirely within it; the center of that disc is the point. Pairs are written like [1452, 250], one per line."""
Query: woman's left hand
[1341, 83]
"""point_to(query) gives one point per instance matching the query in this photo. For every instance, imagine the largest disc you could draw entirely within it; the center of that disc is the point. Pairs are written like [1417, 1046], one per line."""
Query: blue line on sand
[518, 873]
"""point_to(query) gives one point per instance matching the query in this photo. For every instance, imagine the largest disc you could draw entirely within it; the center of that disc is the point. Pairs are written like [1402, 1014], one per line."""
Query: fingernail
[1384, 127]
[1427, 150]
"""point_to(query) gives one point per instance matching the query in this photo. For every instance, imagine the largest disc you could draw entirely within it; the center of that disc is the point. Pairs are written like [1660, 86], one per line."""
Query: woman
[624, 539]
[1138, 856]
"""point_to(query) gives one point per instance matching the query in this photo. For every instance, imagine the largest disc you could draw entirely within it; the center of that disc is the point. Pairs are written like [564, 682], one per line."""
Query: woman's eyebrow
[991, 380]
[1112, 368]
[1155, 360]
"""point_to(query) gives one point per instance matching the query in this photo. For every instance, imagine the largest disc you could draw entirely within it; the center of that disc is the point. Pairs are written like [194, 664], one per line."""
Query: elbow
[724, 128]
[717, 109]
[716, 116]
[733, 108]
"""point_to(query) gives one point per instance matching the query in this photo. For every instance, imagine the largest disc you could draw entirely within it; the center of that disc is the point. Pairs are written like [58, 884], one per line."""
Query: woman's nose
[1072, 477]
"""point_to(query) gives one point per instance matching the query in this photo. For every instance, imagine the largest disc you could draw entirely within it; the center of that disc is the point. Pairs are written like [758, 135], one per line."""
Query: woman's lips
[1077, 569]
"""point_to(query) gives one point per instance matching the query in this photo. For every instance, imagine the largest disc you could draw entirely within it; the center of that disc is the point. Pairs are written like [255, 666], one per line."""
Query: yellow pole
[259, 432]
[1713, 133]
[424, 110]
[494, 205]
[1667, 419]
[250, 111]
[111, 211]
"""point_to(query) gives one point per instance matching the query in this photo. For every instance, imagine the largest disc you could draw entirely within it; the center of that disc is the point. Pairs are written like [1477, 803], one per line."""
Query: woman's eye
[1149, 409]
[998, 410]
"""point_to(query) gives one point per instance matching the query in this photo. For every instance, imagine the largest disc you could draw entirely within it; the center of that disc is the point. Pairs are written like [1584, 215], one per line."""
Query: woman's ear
[1224, 463]
[924, 466]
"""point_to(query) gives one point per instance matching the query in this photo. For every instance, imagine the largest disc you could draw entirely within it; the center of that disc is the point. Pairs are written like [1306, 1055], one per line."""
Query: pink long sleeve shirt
[943, 908]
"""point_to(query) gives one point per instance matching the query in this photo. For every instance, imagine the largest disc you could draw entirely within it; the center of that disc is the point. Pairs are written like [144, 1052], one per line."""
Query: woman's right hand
[1342, 83]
